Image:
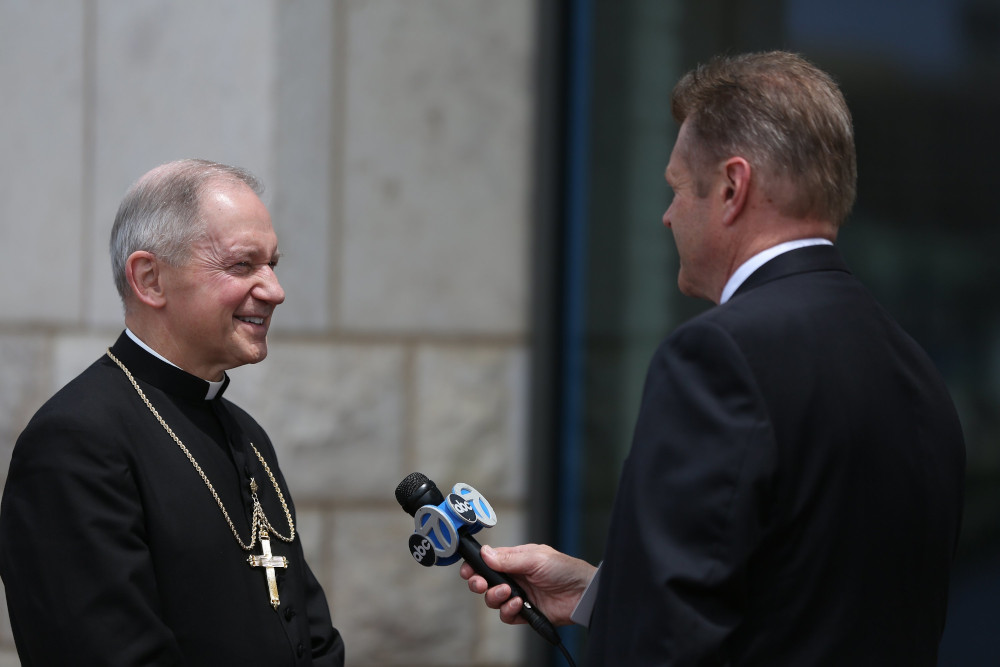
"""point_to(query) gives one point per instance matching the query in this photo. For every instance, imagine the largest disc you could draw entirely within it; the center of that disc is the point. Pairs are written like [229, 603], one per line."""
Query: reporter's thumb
[509, 560]
[492, 558]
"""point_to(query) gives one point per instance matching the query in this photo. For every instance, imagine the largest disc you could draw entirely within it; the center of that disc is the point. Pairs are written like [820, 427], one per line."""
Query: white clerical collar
[759, 260]
[213, 387]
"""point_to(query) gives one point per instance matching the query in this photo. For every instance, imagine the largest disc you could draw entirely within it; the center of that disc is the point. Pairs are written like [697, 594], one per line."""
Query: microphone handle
[468, 549]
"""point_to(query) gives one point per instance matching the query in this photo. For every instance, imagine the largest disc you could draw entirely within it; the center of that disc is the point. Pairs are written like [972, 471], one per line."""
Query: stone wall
[394, 137]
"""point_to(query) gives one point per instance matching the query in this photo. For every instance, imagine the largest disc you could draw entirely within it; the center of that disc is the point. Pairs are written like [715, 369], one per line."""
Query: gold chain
[259, 519]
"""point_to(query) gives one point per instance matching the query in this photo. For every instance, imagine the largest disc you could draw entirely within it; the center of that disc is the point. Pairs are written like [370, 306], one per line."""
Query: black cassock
[113, 550]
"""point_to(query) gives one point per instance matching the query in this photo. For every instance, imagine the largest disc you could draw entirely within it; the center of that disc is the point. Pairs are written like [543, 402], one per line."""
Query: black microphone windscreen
[410, 483]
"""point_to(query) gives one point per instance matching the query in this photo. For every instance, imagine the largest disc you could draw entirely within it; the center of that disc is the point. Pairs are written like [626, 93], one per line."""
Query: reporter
[797, 458]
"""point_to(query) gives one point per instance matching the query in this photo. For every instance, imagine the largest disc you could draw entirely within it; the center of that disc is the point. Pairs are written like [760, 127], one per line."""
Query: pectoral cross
[269, 562]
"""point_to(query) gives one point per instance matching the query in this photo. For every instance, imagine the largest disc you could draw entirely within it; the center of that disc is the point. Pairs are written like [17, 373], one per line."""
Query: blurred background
[468, 197]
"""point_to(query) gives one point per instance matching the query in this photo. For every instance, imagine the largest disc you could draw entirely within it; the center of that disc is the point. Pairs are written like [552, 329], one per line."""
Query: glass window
[922, 78]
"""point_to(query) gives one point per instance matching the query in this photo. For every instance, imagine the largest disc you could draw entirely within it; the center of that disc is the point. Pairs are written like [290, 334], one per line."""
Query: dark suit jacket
[793, 493]
[113, 551]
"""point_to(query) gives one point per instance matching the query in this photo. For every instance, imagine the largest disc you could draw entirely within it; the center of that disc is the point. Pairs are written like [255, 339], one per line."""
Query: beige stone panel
[24, 386]
[6, 635]
[303, 188]
[74, 353]
[174, 79]
[41, 186]
[310, 529]
[437, 175]
[391, 610]
[470, 417]
[334, 413]
[501, 644]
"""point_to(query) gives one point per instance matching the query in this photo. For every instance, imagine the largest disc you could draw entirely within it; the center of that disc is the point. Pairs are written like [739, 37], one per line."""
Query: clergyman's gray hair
[161, 212]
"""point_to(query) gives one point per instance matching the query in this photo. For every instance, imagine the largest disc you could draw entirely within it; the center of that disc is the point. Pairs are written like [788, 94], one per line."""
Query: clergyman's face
[691, 217]
[221, 300]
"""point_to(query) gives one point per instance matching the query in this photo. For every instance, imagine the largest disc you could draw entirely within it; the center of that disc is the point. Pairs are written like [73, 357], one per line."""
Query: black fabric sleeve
[690, 508]
[327, 644]
[73, 554]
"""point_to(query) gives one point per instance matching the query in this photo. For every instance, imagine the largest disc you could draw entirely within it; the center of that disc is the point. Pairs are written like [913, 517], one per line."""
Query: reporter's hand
[552, 580]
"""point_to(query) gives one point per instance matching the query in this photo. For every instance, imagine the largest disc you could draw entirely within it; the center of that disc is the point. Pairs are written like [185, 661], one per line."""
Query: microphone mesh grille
[409, 484]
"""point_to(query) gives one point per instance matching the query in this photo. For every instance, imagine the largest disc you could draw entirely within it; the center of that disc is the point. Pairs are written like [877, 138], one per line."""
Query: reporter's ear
[735, 188]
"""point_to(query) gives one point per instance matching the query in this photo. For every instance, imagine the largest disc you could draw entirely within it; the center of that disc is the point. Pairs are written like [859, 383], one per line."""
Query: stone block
[303, 186]
[310, 526]
[334, 413]
[471, 416]
[24, 386]
[437, 166]
[174, 80]
[74, 353]
[41, 185]
[501, 644]
[390, 610]
[6, 636]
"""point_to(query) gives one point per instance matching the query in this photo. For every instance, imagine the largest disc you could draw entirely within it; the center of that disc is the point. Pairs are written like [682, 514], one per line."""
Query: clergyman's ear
[143, 272]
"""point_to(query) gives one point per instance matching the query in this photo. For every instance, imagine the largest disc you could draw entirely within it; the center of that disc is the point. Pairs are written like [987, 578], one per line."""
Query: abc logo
[471, 507]
[422, 550]
[464, 509]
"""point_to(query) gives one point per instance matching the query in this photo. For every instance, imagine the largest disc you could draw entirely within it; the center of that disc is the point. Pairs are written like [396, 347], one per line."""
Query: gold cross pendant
[269, 562]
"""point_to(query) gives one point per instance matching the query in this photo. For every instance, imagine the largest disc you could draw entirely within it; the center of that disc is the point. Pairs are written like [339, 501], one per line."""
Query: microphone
[444, 529]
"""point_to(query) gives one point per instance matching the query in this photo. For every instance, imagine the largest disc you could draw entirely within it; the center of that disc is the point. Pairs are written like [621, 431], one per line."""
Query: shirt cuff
[585, 607]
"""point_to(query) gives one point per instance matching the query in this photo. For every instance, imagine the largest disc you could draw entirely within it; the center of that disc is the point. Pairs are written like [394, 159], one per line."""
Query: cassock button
[289, 613]
[301, 649]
